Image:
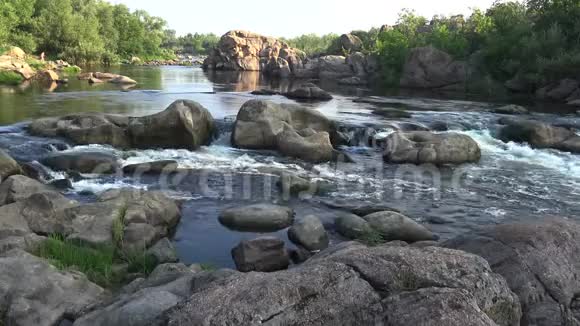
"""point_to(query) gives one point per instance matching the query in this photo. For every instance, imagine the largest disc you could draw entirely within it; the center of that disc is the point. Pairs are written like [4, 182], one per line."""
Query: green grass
[372, 238]
[10, 78]
[208, 267]
[96, 263]
[35, 64]
[72, 70]
[119, 226]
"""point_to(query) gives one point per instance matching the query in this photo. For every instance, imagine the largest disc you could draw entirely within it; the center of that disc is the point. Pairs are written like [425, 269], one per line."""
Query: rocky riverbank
[396, 271]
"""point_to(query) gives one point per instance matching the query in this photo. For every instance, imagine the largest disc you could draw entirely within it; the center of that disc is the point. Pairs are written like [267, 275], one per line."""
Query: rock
[539, 135]
[241, 50]
[62, 184]
[291, 184]
[19, 66]
[15, 52]
[184, 124]
[43, 212]
[352, 226]
[28, 242]
[93, 80]
[558, 91]
[309, 233]
[299, 255]
[265, 254]
[83, 162]
[8, 166]
[334, 67]
[316, 148]
[267, 92]
[86, 76]
[351, 43]
[361, 65]
[47, 76]
[36, 293]
[420, 147]
[155, 167]
[163, 251]
[19, 187]
[105, 75]
[257, 217]
[391, 113]
[309, 92]
[394, 226]
[356, 285]
[137, 237]
[354, 81]
[123, 80]
[538, 261]
[428, 67]
[510, 109]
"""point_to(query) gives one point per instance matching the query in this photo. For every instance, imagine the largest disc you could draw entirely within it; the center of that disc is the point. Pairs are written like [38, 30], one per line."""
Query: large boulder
[32, 292]
[428, 67]
[265, 254]
[257, 217]
[420, 147]
[539, 135]
[15, 52]
[19, 66]
[8, 166]
[184, 124]
[352, 226]
[394, 226]
[334, 66]
[355, 285]
[351, 42]
[315, 148]
[539, 260]
[309, 233]
[242, 50]
[82, 162]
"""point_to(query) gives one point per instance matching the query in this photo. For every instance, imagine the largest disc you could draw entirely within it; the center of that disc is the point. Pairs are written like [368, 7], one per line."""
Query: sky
[292, 18]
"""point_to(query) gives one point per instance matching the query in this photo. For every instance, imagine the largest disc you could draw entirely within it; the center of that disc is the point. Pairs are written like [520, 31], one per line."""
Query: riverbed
[512, 182]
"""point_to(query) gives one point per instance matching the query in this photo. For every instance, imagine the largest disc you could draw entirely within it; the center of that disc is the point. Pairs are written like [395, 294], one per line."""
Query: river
[512, 182]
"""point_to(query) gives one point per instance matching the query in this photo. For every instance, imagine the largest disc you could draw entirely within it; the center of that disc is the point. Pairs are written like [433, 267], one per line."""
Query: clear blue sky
[291, 18]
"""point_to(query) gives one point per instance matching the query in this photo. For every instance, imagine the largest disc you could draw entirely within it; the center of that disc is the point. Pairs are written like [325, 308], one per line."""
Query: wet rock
[421, 147]
[309, 91]
[18, 187]
[123, 80]
[36, 293]
[46, 76]
[356, 285]
[351, 42]
[428, 67]
[538, 261]
[391, 113]
[85, 76]
[266, 92]
[539, 135]
[105, 75]
[184, 124]
[316, 148]
[257, 217]
[395, 226]
[299, 255]
[93, 80]
[309, 233]
[155, 167]
[510, 109]
[352, 226]
[62, 184]
[353, 81]
[265, 254]
[8, 166]
[163, 251]
[360, 209]
[83, 162]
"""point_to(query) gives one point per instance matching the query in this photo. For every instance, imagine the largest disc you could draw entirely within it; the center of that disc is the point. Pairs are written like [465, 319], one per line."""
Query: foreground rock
[308, 134]
[540, 263]
[539, 135]
[422, 147]
[265, 254]
[309, 233]
[36, 293]
[82, 162]
[19, 187]
[8, 166]
[310, 92]
[428, 67]
[184, 124]
[356, 285]
[394, 226]
[16, 65]
[258, 217]
[352, 226]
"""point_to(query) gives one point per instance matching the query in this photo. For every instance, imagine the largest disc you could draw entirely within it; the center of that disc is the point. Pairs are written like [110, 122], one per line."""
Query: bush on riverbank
[10, 78]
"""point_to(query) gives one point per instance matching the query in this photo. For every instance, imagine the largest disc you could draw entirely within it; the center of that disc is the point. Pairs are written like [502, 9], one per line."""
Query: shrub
[72, 70]
[10, 78]
[372, 238]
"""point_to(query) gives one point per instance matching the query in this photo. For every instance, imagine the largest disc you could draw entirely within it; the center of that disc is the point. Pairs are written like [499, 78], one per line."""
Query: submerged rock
[309, 91]
[351, 285]
[35, 293]
[309, 233]
[184, 124]
[539, 135]
[265, 254]
[539, 262]
[257, 217]
[391, 113]
[394, 226]
[422, 147]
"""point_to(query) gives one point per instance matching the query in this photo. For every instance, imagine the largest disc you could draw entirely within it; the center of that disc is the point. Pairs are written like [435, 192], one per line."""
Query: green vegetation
[10, 78]
[82, 31]
[72, 70]
[314, 45]
[372, 238]
[196, 44]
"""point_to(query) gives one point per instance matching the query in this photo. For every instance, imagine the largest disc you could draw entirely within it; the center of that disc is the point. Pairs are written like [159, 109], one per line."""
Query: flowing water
[512, 182]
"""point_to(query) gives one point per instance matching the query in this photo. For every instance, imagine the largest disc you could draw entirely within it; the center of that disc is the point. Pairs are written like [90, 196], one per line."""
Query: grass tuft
[208, 267]
[372, 238]
[72, 70]
[10, 78]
